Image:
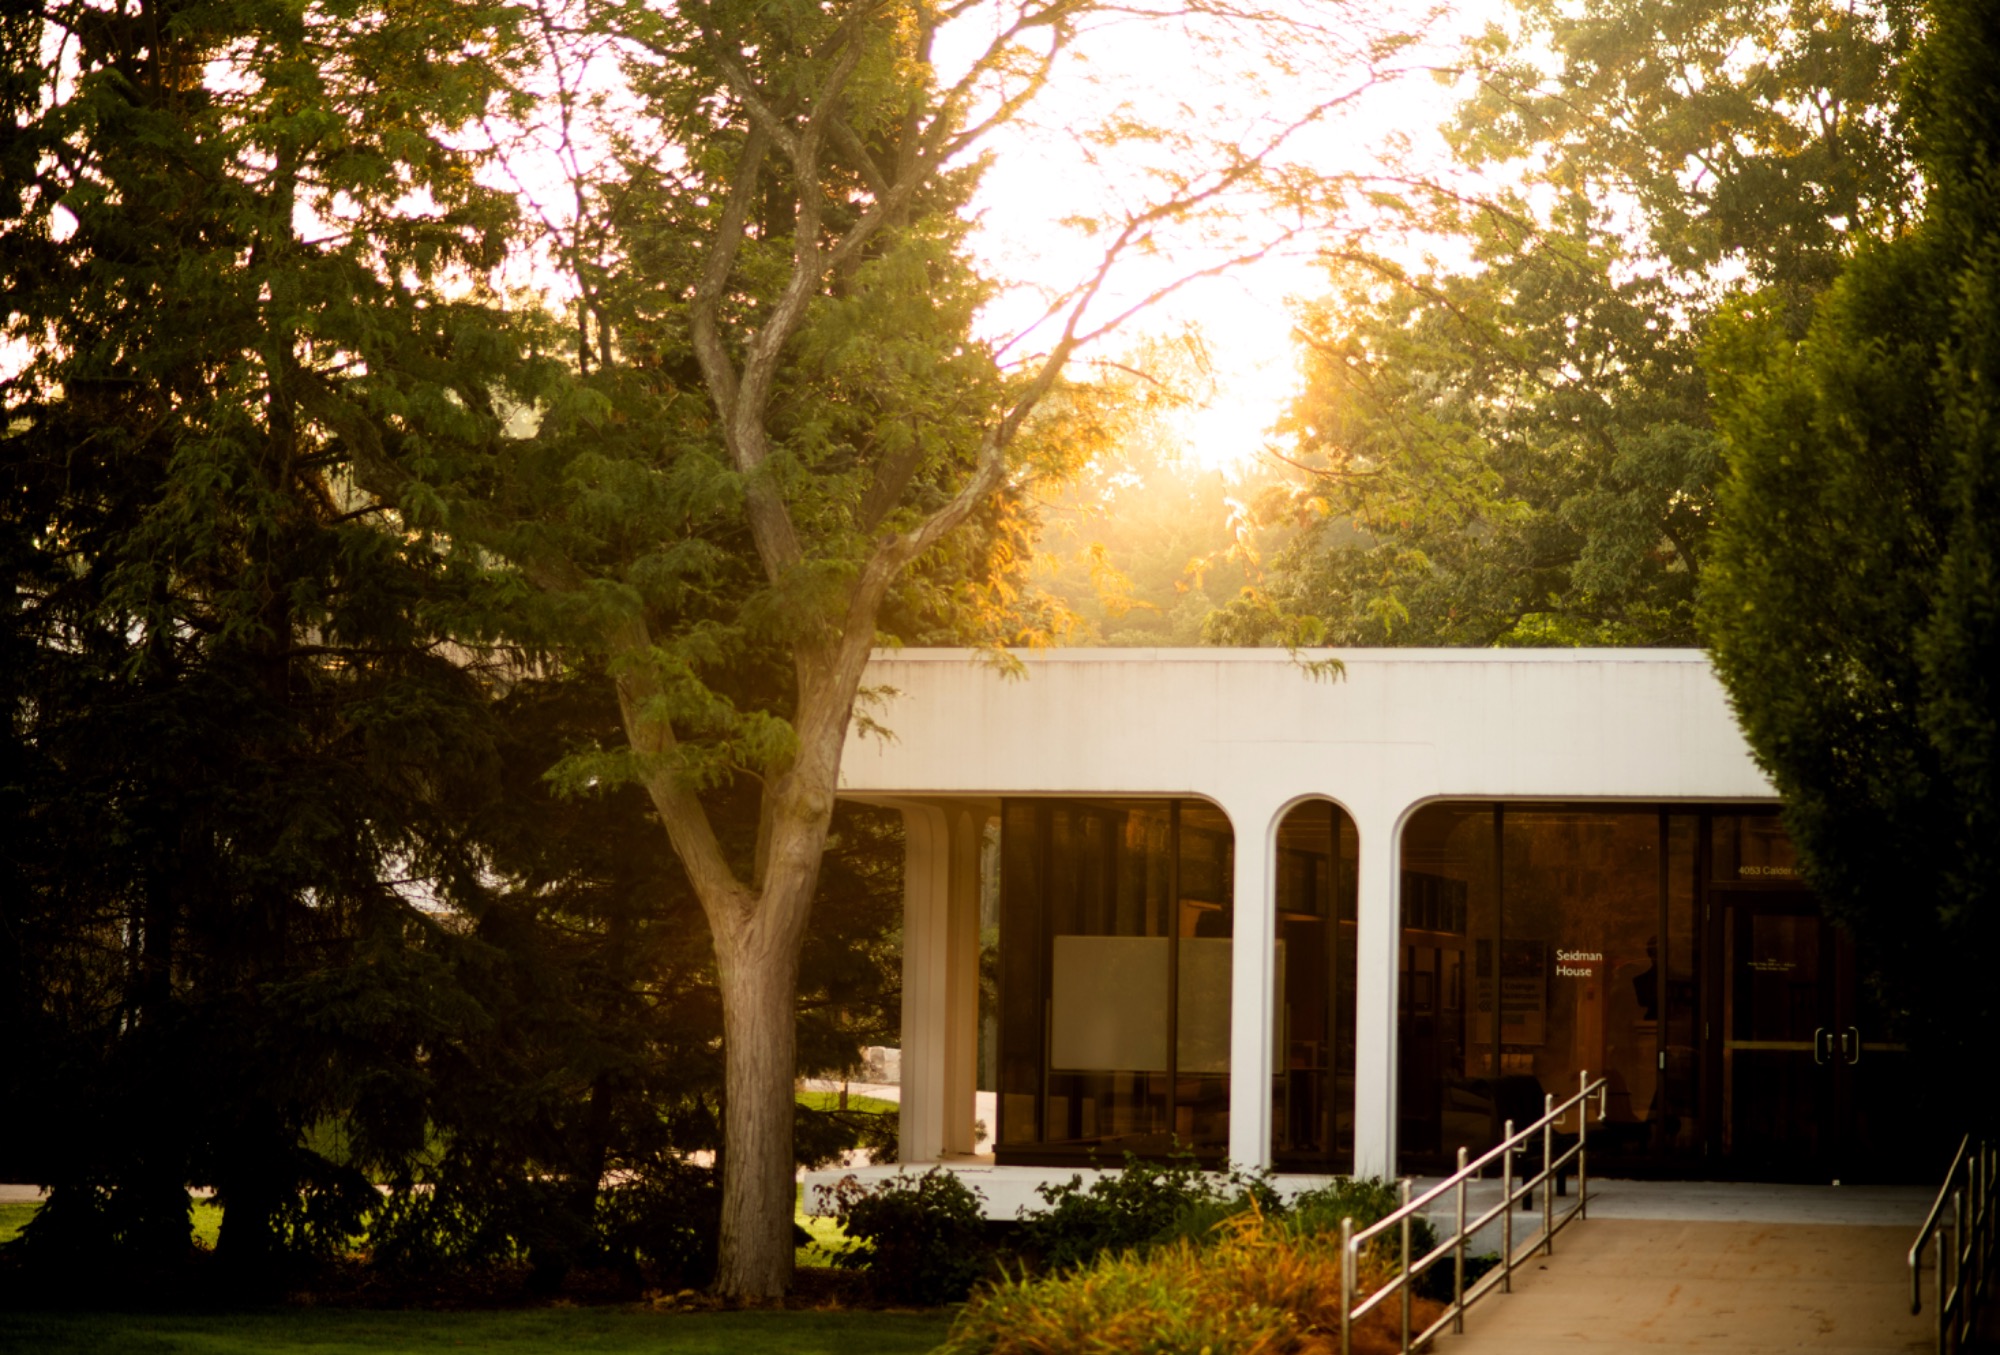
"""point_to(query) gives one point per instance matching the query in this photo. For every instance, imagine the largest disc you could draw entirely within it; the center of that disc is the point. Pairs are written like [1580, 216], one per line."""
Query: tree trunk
[758, 971]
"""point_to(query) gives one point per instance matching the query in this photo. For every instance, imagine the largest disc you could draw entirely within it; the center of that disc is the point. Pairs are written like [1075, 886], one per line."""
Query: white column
[1251, 980]
[926, 972]
[1377, 945]
[961, 978]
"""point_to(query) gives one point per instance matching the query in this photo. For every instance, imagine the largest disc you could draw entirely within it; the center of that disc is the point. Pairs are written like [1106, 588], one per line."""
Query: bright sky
[1039, 176]
[1042, 171]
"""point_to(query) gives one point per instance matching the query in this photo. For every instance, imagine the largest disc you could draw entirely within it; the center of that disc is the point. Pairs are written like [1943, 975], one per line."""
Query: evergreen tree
[235, 233]
[1852, 606]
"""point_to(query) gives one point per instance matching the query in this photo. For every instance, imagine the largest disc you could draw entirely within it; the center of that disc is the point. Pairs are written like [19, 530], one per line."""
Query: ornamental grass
[1257, 1288]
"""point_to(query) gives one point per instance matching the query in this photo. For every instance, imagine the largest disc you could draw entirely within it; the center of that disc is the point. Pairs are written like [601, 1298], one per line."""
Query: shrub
[1145, 1205]
[664, 1221]
[1367, 1200]
[920, 1239]
[1260, 1287]
[1363, 1199]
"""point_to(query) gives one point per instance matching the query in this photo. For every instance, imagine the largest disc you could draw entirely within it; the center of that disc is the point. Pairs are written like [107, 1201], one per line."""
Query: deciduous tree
[1514, 447]
[794, 445]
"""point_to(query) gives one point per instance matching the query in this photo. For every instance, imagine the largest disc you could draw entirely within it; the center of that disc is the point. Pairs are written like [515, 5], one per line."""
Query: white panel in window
[1108, 1003]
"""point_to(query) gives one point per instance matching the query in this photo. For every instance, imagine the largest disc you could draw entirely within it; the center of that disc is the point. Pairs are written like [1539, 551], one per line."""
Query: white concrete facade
[1256, 733]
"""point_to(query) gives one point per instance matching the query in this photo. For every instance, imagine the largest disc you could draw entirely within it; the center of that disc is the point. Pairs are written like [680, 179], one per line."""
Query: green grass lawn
[828, 1239]
[13, 1218]
[207, 1220]
[873, 1105]
[554, 1331]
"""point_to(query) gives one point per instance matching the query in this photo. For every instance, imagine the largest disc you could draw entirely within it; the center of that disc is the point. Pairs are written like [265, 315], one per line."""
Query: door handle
[1822, 1045]
[1852, 1053]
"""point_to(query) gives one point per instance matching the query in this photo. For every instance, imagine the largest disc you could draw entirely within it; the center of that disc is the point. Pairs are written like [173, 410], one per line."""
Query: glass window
[1202, 959]
[1114, 969]
[1754, 849]
[1447, 985]
[1678, 1125]
[1580, 975]
[1541, 942]
[1312, 1112]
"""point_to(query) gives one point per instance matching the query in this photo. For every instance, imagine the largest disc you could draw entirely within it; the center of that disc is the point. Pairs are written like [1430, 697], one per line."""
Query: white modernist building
[1336, 922]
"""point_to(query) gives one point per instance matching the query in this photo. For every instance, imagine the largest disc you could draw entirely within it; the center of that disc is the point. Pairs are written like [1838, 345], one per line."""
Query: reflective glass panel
[1448, 984]
[1312, 1112]
[1580, 976]
[1114, 968]
[1541, 942]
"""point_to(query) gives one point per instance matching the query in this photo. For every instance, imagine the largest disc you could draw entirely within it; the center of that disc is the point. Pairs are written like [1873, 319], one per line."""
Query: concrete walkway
[1732, 1268]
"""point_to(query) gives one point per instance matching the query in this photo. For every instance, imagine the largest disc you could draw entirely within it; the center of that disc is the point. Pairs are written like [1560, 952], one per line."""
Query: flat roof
[1255, 728]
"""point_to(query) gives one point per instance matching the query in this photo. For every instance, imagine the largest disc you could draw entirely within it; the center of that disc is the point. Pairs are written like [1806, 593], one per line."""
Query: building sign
[1753, 849]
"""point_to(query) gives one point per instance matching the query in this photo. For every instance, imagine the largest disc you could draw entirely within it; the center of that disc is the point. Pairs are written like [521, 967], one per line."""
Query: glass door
[1818, 1084]
[1781, 1049]
[1889, 1132]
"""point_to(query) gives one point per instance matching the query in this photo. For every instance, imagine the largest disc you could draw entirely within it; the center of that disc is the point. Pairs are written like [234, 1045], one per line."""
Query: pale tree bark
[758, 918]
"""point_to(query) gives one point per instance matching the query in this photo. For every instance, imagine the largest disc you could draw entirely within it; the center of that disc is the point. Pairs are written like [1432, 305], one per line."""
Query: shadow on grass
[543, 1331]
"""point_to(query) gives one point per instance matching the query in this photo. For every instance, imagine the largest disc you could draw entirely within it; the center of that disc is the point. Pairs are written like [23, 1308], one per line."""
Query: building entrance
[1817, 1084]
[1674, 951]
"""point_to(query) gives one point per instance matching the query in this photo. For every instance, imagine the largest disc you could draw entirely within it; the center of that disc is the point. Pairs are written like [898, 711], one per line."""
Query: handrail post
[1409, 1280]
[1970, 1302]
[1987, 1212]
[1982, 1222]
[1347, 1286]
[1507, 1210]
[1548, 1174]
[1937, 1248]
[1458, 1260]
[1917, 1273]
[1958, 1241]
[1582, 1139]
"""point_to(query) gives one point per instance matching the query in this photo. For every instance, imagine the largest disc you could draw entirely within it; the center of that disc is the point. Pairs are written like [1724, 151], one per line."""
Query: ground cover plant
[540, 1331]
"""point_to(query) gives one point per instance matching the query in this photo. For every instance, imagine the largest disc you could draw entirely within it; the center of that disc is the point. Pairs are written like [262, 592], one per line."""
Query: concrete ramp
[1676, 1284]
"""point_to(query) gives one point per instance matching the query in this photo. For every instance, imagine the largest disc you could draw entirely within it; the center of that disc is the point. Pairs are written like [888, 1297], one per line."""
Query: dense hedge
[1156, 1257]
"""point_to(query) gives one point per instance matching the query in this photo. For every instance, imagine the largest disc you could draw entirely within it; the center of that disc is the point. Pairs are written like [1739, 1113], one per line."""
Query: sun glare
[1055, 177]
[1046, 176]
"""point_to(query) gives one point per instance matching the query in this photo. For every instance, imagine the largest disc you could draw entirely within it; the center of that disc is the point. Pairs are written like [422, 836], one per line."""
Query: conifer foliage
[288, 908]
[240, 748]
[1854, 608]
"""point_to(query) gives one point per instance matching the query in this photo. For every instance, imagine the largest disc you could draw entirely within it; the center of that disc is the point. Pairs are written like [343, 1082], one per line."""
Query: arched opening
[1114, 960]
[1312, 1111]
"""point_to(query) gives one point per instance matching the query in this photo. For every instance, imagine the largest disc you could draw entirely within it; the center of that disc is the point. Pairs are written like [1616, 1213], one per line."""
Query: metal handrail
[1502, 1275]
[1969, 1190]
